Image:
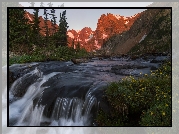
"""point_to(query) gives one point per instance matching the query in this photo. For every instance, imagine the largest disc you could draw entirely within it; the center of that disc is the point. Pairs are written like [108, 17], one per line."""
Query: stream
[57, 93]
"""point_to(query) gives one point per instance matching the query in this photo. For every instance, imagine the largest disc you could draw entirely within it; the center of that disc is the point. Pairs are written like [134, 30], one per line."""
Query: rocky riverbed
[64, 93]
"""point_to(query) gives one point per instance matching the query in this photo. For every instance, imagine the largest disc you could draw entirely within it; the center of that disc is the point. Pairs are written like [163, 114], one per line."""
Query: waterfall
[56, 94]
[21, 110]
[66, 111]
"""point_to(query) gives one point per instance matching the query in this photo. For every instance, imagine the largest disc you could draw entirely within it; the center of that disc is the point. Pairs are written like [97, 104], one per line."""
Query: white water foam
[67, 111]
[37, 130]
[21, 109]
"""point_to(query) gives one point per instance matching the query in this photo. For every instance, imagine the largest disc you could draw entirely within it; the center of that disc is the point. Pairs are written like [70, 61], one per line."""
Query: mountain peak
[107, 26]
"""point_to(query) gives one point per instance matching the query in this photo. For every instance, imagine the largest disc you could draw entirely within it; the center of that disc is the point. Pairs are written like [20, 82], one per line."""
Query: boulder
[78, 61]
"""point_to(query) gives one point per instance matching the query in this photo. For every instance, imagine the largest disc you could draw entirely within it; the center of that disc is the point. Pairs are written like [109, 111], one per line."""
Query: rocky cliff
[42, 23]
[107, 26]
[151, 32]
[175, 20]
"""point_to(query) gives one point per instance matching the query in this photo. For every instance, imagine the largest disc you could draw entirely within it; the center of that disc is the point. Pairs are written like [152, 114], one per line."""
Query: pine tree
[4, 21]
[73, 43]
[53, 20]
[78, 46]
[54, 28]
[46, 26]
[62, 30]
[36, 28]
[19, 29]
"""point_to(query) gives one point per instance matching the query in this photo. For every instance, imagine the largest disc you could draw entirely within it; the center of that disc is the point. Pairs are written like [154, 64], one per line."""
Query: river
[57, 93]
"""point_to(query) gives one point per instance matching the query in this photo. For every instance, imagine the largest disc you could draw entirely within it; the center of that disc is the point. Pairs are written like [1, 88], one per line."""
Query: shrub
[158, 115]
[49, 53]
[138, 96]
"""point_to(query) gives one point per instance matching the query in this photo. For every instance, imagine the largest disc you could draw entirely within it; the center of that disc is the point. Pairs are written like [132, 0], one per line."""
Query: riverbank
[89, 78]
[62, 53]
[145, 101]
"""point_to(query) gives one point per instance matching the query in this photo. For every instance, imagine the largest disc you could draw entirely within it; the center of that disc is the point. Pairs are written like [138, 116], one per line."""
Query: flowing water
[62, 93]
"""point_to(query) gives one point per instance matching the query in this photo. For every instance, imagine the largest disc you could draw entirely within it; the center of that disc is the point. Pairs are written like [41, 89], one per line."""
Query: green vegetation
[157, 40]
[36, 36]
[18, 30]
[51, 53]
[61, 33]
[29, 45]
[145, 101]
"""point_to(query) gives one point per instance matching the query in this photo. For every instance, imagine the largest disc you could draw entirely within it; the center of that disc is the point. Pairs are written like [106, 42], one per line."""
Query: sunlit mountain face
[107, 25]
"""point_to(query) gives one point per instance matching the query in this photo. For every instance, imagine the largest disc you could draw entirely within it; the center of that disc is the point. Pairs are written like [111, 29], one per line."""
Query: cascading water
[64, 94]
[66, 111]
[21, 110]
[36, 114]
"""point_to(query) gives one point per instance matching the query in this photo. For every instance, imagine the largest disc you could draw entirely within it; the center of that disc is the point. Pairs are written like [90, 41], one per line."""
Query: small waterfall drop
[21, 111]
[66, 111]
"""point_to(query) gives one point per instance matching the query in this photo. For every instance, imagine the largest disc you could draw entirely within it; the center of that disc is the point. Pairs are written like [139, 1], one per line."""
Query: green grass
[49, 54]
[145, 101]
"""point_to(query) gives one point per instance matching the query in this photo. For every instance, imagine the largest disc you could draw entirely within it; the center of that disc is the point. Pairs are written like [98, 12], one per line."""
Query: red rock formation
[110, 24]
[107, 26]
[42, 23]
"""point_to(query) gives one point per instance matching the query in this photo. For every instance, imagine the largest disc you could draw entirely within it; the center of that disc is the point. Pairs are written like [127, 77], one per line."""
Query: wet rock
[77, 61]
[153, 68]
[86, 81]
[11, 79]
[159, 59]
[21, 85]
[145, 58]
[64, 86]
[100, 58]
[128, 66]
[134, 57]
[164, 54]
[155, 61]
[18, 70]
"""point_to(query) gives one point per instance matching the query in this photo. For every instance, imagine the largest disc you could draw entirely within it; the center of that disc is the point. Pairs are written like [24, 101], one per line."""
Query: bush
[134, 99]
[158, 115]
[49, 53]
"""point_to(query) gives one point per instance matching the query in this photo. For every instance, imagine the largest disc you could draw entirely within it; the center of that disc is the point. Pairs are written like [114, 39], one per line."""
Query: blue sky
[80, 18]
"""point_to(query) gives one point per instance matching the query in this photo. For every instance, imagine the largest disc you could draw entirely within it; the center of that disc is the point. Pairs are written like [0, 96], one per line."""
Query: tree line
[25, 34]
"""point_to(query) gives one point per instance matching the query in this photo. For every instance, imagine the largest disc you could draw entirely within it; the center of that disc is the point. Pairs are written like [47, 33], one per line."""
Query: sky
[80, 18]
